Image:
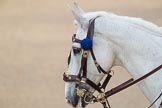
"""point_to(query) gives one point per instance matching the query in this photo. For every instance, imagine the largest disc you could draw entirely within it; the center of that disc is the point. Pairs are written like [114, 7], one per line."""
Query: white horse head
[118, 40]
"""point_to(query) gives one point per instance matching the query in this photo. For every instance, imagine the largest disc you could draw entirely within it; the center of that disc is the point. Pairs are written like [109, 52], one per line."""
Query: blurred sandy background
[35, 38]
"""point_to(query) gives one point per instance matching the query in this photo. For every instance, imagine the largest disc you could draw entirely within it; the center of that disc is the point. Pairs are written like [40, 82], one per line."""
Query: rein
[81, 78]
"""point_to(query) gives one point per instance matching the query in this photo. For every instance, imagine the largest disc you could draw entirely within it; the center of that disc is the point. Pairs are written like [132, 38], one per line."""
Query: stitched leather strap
[99, 68]
[124, 86]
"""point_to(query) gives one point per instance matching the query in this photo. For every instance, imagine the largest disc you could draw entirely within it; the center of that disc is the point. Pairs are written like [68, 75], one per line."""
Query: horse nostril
[68, 101]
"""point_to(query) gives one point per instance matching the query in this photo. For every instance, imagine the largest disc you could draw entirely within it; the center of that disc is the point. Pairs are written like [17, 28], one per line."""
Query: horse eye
[77, 50]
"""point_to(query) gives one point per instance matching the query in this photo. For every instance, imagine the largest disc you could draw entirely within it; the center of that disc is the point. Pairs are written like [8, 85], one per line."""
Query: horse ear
[77, 12]
[78, 8]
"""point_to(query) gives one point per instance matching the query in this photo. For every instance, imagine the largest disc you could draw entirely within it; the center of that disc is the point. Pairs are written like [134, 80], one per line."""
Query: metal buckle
[77, 81]
[83, 80]
[91, 101]
[101, 98]
[85, 54]
[68, 76]
[80, 92]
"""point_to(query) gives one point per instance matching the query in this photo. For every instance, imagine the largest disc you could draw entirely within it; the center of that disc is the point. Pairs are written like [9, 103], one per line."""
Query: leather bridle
[86, 47]
[81, 78]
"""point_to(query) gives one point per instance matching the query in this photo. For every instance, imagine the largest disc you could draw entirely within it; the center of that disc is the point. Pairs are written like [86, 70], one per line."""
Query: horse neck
[138, 65]
[137, 48]
[138, 51]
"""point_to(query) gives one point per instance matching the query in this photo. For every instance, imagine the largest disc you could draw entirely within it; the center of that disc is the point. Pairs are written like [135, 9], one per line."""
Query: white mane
[149, 26]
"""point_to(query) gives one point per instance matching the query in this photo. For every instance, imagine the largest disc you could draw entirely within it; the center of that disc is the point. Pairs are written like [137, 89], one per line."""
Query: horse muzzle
[81, 96]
